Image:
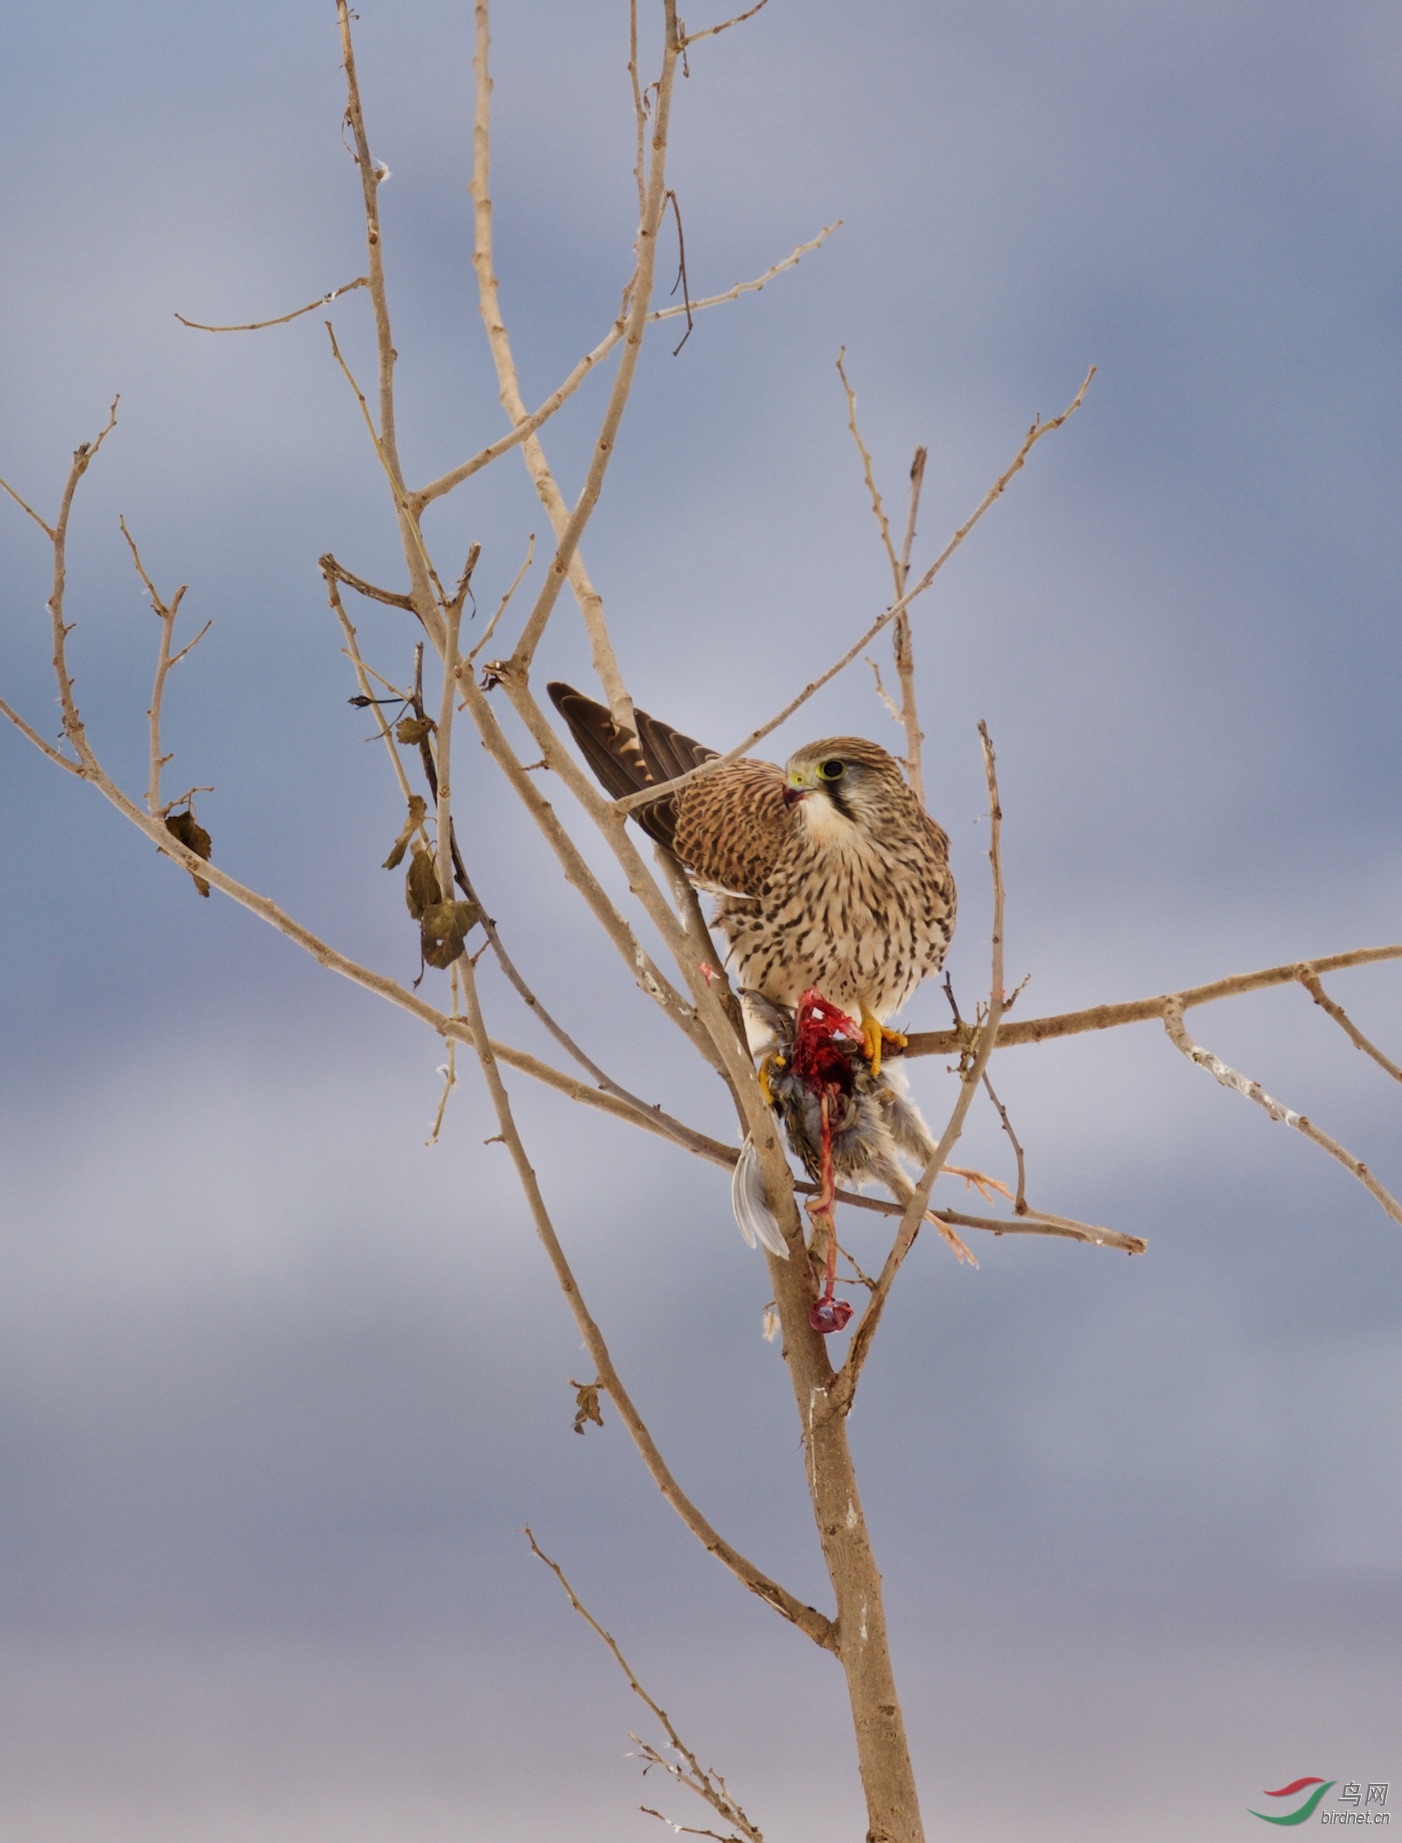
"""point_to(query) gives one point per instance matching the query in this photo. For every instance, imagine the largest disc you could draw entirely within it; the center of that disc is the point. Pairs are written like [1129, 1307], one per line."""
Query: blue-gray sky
[278, 1385]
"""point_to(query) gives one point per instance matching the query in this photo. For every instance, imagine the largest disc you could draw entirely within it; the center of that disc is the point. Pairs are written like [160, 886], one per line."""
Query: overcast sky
[279, 1386]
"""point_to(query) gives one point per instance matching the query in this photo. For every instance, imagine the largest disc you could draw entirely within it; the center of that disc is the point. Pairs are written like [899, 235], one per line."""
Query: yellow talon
[875, 1037]
[771, 1061]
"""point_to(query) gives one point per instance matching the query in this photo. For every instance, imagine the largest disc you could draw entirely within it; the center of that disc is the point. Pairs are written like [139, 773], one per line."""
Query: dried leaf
[412, 730]
[189, 832]
[586, 1404]
[442, 928]
[418, 812]
[421, 889]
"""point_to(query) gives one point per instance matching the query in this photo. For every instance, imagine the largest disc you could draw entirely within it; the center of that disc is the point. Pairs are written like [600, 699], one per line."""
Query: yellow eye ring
[831, 770]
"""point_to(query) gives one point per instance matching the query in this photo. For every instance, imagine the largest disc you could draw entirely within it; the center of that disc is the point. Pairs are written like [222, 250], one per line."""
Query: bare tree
[416, 703]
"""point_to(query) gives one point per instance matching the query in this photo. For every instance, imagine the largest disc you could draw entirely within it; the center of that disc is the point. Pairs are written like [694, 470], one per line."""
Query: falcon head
[845, 781]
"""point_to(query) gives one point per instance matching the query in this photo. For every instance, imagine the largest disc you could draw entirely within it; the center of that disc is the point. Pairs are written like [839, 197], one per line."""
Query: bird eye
[832, 771]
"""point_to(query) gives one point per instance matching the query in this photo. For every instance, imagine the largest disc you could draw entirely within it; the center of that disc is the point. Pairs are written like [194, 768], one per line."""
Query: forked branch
[702, 1780]
[883, 621]
[806, 1618]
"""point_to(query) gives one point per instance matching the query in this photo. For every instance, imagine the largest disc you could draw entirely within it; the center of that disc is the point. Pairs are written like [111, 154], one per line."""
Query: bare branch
[733, 294]
[969, 1079]
[1243, 1084]
[25, 506]
[1143, 1010]
[878, 509]
[330, 568]
[1042, 1222]
[372, 174]
[1310, 981]
[695, 38]
[45, 748]
[697, 1778]
[902, 643]
[639, 114]
[516, 582]
[649, 225]
[455, 476]
[508, 384]
[995, 492]
[257, 326]
[640, 964]
[806, 1618]
[1020, 1200]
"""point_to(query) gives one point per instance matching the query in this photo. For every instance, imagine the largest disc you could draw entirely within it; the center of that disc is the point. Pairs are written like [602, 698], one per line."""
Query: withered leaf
[421, 889]
[586, 1404]
[418, 811]
[189, 832]
[442, 928]
[411, 730]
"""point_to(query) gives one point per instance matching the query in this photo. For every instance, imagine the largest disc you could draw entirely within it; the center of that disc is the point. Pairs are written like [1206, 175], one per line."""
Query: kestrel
[830, 873]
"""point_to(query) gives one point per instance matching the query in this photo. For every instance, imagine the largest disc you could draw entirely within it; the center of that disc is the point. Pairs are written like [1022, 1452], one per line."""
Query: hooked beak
[792, 795]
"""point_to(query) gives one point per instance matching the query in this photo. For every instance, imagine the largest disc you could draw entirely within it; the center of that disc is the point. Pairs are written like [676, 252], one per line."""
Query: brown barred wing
[733, 826]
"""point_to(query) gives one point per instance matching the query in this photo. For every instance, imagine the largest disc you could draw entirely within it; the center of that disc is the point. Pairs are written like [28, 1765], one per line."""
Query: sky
[280, 1385]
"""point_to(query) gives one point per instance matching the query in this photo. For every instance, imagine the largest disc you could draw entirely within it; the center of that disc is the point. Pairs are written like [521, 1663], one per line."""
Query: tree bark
[883, 1754]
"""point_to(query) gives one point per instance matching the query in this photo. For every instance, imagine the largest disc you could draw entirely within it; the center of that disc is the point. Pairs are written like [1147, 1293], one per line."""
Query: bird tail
[627, 762]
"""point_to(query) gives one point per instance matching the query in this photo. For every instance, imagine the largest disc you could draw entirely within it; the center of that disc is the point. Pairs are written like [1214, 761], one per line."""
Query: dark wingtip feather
[625, 763]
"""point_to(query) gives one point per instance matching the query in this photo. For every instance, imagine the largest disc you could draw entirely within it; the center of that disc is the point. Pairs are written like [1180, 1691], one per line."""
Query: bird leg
[876, 1037]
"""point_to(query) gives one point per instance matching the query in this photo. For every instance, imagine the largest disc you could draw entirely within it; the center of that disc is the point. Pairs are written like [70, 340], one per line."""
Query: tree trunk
[883, 1755]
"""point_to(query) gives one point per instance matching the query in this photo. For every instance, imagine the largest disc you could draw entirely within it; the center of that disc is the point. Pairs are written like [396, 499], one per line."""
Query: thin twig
[649, 224]
[372, 175]
[1243, 1084]
[508, 384]
[449, 1071]
[83, 457]
[697, 1778]
[330, 567]
[1144, 1010]
[681, 281]
[995, 492]
[527, 427]
[903, 645]
[1020, 1201]
[694, 38]
[645, 972]
[878, 509]
[639, 114]
[25, 506]
[415, 548]
[516, 582]
[969, 1078]
[362, 677]
[166, 615]
[1310, 981]
[257, 326]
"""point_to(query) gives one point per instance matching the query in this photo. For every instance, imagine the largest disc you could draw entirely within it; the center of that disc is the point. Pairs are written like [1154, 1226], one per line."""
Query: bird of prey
[830, 873]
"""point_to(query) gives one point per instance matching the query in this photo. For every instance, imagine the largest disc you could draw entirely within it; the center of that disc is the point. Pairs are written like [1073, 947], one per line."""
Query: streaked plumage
[830, 874]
